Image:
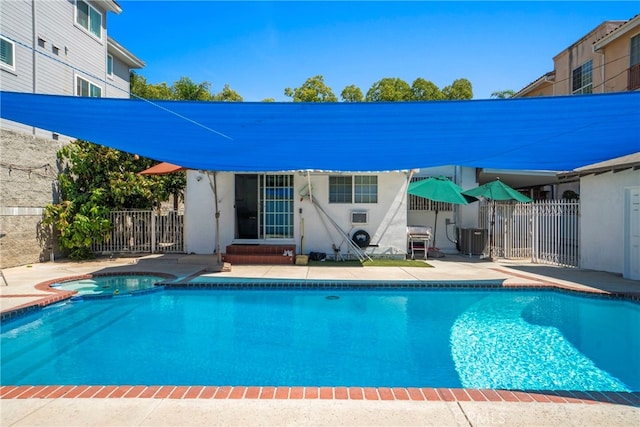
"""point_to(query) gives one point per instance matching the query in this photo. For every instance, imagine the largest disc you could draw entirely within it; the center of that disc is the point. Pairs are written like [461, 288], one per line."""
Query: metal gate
[147, 231]
[546, 232]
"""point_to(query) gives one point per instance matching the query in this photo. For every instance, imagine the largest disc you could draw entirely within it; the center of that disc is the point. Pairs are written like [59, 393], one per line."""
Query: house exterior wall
[543, 89]
[602, 230]
[579, 53]
[118, 85]
[386, 226]
[618, 60]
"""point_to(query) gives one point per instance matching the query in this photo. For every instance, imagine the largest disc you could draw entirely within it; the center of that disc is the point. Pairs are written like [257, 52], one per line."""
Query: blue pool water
[533, 340]
[109, 285]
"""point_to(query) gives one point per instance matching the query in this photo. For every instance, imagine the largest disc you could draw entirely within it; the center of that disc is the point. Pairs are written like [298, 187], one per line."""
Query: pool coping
[317, 393]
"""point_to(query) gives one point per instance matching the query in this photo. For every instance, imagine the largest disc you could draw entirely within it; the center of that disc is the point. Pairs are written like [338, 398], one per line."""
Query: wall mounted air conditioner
[359, 217]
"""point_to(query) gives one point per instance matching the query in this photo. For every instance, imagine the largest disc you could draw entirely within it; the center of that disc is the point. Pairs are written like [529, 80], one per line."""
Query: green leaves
[312, 90]
[96, 180]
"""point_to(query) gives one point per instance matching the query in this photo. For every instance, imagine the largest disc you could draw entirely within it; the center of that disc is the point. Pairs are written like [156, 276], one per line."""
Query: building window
[634, 51]
[89, 18]
[356, 189]
[582, 81]
[7, 53]
[109, 65]
[86, 88]
[340, 189]
[365, 189]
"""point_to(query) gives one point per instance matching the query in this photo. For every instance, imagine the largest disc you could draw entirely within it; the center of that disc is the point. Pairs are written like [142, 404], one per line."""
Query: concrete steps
[260, 254]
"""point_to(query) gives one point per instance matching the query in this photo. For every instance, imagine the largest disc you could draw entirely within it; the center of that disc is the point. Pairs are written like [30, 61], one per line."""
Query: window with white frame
[109, 65]
[86, 88]
[7, 53]
[582, 79]
[634, 51]
[89, 18]
[353, 189]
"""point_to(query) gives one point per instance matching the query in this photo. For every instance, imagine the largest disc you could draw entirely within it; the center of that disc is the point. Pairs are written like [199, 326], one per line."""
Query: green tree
[424, 90]
[187, 89]
[459, 89]
[227, 95]
[269, 100]
[351, 93]
[93, 181]
[312, 90]
[141, 89]
[503, 94]
[389, 89]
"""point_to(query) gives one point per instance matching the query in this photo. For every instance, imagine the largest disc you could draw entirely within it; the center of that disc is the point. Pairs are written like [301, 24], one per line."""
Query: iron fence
[144, 231]
[547, 232]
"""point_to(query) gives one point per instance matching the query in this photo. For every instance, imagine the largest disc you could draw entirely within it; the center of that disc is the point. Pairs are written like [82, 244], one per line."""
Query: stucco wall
[579, 53]
[602, 219]
[387, 218]
[26, 186]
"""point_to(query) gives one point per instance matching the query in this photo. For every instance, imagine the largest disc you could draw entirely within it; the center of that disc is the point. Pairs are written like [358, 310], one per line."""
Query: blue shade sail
[544, 133]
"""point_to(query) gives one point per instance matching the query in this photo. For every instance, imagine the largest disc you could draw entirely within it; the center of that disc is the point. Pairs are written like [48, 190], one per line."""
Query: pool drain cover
[332, 297]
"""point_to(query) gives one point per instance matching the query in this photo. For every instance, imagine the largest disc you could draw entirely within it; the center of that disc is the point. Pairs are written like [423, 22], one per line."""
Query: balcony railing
[633, 77]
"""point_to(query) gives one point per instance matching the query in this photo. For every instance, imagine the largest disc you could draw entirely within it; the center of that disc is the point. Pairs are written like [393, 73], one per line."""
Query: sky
[260, 48]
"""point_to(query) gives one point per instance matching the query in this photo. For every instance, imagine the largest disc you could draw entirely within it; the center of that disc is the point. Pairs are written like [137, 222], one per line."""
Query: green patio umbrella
[439, 189]
[496, 190]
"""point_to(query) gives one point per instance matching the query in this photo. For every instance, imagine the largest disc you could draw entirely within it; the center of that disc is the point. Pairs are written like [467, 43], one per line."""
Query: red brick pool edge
[323, 393]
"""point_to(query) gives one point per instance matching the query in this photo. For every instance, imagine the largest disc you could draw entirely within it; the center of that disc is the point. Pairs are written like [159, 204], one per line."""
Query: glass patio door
[264, 206]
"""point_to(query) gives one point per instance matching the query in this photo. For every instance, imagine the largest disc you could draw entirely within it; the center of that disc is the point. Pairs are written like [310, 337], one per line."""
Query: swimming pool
[512, 339]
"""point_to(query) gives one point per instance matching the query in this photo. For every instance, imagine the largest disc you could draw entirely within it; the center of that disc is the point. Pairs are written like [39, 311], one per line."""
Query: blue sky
[260, 48]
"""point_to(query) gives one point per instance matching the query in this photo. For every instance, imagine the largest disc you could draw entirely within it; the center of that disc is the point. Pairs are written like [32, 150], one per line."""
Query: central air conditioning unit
[473, 241]
[359, 217]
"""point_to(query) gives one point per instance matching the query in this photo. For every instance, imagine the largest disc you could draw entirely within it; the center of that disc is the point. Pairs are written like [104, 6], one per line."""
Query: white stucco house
[610, 215]
[317, 211]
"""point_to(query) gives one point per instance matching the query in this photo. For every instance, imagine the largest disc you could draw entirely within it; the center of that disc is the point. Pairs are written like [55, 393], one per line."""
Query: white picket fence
[547, 232]
[137, 231]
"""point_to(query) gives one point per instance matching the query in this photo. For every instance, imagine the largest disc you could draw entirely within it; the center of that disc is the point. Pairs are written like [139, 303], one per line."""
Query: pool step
[260, 254]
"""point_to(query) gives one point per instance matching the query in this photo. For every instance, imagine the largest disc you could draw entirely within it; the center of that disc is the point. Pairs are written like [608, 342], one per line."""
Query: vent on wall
[359, 217]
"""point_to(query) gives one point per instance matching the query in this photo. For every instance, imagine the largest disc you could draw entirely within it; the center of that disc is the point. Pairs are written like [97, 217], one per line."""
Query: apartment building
[607, 59]
[59, 47]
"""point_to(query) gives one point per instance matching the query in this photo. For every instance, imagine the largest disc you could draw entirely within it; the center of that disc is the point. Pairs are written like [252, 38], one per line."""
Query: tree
[312, 90]
[503, 94]
[227, 95]
[459, 89]
[389, 89]
[186, 89]
[141, 89]
[424, 90]
[93, 181]
[351, 93]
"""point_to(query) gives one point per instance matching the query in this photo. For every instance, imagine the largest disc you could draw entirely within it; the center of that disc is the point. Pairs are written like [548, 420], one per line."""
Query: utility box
[473, 241]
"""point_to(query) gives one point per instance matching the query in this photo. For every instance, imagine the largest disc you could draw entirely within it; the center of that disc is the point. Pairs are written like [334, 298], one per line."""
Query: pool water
[109, 285]
[530, 340]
